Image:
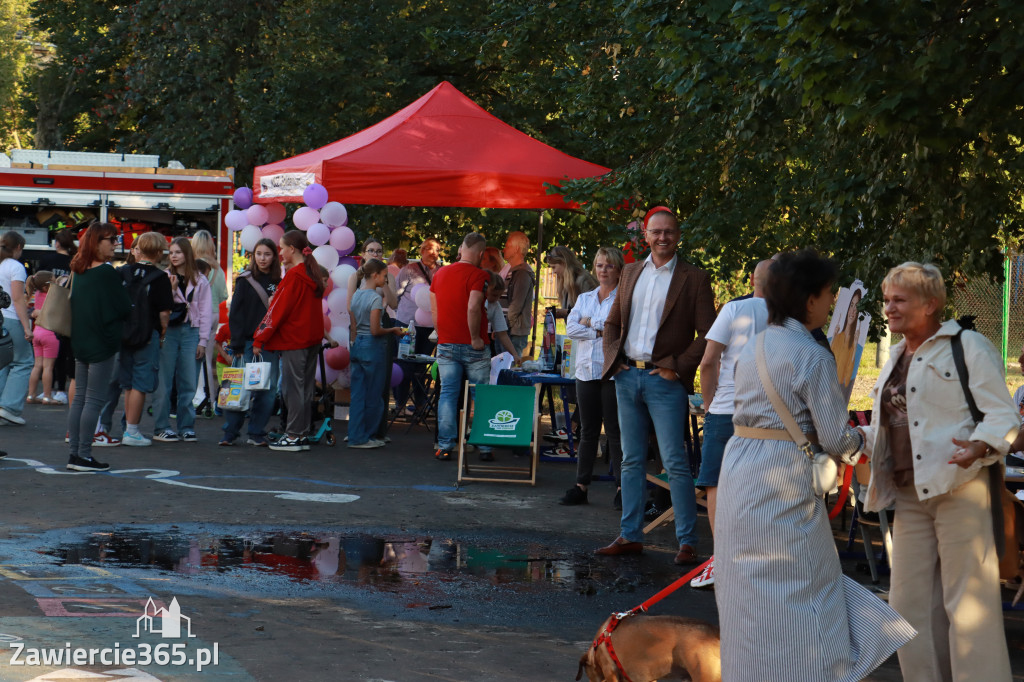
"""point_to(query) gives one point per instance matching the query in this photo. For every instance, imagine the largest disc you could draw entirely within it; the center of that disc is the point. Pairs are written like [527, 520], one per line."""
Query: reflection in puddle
[387, 563]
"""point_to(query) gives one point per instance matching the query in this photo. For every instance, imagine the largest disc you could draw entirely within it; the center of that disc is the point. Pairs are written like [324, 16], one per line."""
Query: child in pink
[44, 342]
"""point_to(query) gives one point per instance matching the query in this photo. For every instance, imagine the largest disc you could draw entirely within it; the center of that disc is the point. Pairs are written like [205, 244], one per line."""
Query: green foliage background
[877, 130]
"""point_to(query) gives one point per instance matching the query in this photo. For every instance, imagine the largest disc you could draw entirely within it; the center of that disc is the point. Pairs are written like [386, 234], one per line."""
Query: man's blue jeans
[261, 402]
[641, 394]
[456, 361]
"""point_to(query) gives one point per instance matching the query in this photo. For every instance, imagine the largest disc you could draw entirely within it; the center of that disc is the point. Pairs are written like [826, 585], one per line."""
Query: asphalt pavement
[328, 564]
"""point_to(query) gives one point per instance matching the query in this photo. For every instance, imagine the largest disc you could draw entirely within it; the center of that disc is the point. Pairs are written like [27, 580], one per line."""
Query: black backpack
[138, 328]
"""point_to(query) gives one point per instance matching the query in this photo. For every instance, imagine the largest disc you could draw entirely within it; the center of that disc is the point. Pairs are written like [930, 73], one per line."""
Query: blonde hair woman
[205, 249]
[939, 467]
[571, 278]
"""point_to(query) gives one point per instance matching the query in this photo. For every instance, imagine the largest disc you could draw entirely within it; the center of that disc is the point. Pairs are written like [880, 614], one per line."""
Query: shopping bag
[233, 395]
[257, 374]
[56, 312]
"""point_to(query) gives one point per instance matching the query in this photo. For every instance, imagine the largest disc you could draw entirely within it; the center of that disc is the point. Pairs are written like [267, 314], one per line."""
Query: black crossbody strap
[995, 471]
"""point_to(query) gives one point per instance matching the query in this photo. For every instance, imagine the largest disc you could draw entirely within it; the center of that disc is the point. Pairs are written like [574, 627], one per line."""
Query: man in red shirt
[457, 306]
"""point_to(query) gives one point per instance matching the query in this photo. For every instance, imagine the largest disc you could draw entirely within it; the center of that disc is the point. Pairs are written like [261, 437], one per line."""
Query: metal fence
[998, 308]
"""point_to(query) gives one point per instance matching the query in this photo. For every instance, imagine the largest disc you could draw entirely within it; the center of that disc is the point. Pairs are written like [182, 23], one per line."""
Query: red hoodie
[295, 319]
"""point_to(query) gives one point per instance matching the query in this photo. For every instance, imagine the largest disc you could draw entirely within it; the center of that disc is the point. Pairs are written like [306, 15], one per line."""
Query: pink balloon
[273, 232]
[257, 214]
[236, 220]
[327, 324]
[318, 234]
[423, 318]
[315, 196]
[305, 218]
[343, 239]
[337, 358]
[275, 213]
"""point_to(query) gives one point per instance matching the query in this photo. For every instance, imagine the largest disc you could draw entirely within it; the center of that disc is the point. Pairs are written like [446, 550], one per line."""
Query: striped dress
[786, 611]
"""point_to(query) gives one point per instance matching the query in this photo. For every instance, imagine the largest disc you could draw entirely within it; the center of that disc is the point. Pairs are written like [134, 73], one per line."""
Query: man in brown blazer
[653, 344]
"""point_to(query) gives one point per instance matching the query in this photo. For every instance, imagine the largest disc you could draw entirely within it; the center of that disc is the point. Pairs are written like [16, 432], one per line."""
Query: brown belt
[769, 434]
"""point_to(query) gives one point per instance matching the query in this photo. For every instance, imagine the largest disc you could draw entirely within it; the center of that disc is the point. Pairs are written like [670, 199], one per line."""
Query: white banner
[285, 184]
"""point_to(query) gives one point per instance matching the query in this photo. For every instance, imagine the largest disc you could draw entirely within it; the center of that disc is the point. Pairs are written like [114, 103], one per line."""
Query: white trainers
[11, 417]
[705, 578]
[60, 397]
[135, 441]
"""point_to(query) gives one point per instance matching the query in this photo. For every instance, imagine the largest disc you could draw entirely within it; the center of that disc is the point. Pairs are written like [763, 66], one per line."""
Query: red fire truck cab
[44, 191]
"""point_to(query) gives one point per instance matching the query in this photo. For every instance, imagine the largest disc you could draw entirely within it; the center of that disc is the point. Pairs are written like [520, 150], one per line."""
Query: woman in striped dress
[786, 611]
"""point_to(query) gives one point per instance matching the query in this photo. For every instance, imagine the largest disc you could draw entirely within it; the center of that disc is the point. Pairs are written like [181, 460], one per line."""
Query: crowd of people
[943, 418]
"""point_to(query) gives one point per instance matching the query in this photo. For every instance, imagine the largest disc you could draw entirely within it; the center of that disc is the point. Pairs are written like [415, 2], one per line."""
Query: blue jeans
[369, 356]
[717, 432]
[261, 404]
[14, 377]
[640, 394]
[178, 363]
[455, 361]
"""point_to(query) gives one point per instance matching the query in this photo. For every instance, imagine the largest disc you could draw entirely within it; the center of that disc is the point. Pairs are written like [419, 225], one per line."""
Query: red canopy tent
[441, 150]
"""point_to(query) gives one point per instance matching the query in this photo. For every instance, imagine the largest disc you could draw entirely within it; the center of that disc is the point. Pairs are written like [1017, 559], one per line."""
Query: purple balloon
[243, 198]
[318, 234]
[236, 220]
[423, 318]
[315, 196]
[396, 375]
[348, 260]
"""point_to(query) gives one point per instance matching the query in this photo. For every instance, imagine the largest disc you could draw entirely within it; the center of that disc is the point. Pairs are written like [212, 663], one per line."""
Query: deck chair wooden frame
[670, 514]
[498, 473]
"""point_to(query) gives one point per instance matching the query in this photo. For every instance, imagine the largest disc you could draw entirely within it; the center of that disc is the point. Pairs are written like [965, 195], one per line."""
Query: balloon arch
[326, 226]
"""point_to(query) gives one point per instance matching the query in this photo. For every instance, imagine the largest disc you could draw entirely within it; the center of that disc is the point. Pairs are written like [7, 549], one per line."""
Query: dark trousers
[298, 382]
[597, 404]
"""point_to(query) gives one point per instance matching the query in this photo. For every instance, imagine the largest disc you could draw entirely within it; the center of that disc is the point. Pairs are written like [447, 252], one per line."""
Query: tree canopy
[878, 131]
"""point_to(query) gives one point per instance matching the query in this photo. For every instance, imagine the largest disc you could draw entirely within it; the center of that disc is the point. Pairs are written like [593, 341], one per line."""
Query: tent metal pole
[536, 288]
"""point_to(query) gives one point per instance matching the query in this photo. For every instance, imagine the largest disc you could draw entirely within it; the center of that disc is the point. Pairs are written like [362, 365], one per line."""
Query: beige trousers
[945, 582]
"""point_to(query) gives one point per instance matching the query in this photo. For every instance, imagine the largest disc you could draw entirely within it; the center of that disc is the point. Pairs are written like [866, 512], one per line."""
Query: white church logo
[165, 622]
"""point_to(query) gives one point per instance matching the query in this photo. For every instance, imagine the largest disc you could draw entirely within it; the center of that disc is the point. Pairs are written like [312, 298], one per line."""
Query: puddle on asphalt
[385, 563]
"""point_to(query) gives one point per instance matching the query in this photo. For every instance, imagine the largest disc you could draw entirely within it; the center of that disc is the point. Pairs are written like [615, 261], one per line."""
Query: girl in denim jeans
[368, 355]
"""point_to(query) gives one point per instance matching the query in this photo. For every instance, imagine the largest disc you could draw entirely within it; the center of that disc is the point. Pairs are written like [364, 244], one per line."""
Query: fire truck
[43, 191]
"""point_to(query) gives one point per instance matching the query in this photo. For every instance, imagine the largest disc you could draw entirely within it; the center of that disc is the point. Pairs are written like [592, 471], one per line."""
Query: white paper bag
[257, 375]
[499, 362]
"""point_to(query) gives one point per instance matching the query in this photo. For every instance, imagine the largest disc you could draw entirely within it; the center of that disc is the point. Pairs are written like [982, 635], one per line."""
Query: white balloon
[341, 275]
[337, 299]
[333, 214]
[250, 235]
[340, 335]
[326, 256]
[423, 299]
[339, 318]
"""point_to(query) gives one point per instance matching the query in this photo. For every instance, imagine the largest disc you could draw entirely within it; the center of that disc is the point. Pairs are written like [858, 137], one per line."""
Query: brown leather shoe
[620, 547]
[687, 556]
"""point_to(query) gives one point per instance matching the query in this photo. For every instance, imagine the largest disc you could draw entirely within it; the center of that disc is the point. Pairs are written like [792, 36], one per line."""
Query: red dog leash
[844, 490]
[605, 636]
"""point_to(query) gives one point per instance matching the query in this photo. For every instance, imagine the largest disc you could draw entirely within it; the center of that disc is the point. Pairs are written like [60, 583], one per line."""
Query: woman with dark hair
[188, 333]
[571, 278]
[294, 325]
[15, 376]
[99, 307]
[786, 610]
[253, 290]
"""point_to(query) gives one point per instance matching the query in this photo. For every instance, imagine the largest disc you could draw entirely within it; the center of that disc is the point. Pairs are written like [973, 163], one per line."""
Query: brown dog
[655, 647]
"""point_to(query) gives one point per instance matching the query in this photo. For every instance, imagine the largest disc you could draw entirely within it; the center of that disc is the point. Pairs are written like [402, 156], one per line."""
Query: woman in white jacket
[188, 333]
[931, 460]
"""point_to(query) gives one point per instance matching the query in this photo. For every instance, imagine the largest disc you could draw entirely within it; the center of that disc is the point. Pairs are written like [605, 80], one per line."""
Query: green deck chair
[503, 417]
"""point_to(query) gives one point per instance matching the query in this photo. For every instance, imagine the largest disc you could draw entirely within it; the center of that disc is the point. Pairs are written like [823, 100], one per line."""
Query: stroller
[321, 427]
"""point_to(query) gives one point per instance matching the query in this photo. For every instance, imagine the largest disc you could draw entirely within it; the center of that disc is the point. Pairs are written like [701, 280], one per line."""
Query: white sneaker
[102, 439]
[705, 578]
[60, 397]
[135, 441]
[11, 417]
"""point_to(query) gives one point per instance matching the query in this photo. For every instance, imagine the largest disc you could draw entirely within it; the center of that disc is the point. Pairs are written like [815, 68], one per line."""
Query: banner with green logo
[502, 416]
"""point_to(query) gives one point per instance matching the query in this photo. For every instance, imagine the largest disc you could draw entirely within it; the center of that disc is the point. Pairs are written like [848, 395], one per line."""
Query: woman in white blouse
[594, 397]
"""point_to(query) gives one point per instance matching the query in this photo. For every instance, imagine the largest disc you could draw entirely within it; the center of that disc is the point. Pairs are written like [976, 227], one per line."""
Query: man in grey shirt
[519, 292]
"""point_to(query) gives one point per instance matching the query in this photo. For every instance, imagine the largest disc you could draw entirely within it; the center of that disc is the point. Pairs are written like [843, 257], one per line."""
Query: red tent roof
[441, 150]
